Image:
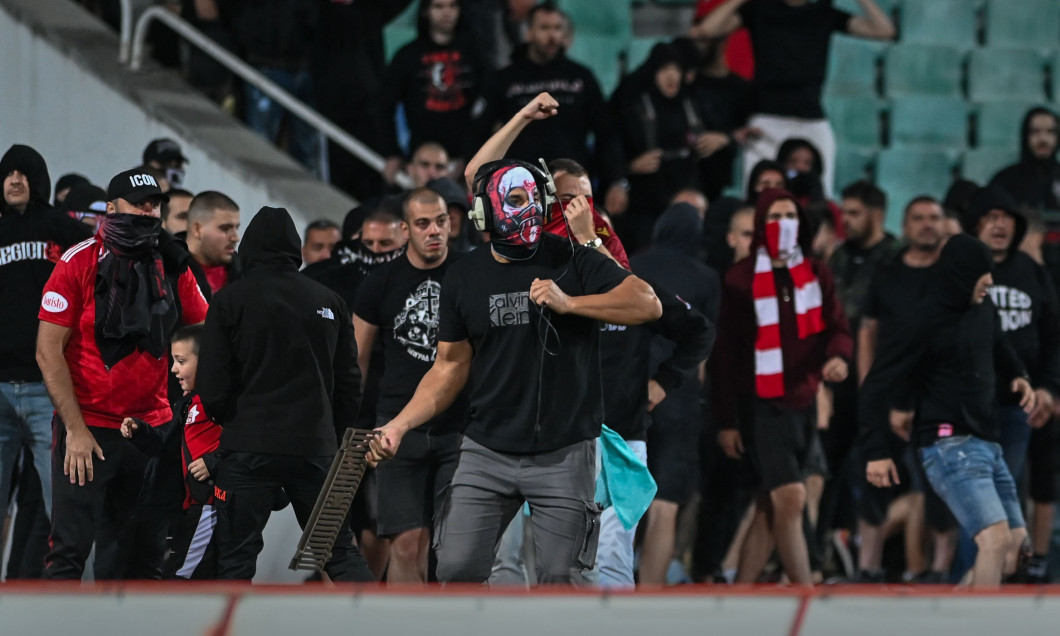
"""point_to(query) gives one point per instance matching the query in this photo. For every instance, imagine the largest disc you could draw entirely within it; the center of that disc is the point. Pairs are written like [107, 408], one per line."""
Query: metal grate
[333, 504]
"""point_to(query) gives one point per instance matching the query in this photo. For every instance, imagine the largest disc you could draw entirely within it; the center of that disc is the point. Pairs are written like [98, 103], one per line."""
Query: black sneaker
[864, 576]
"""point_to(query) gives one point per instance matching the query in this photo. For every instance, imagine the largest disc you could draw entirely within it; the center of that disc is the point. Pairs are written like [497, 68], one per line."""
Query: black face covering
[135, 305]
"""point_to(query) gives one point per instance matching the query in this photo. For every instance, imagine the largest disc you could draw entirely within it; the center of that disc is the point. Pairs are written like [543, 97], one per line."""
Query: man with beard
[521, 321]
[950, 354]
[106, 316]
[895, 291]
[1035, 180]
[542, 65]
[399, 303]
[32, 237]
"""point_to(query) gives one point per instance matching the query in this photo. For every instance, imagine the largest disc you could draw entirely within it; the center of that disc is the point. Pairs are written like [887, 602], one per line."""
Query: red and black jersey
[201, 436]
[136, 385]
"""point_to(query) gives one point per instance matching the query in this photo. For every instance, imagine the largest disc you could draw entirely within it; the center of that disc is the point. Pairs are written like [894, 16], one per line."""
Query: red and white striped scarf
[769, 362]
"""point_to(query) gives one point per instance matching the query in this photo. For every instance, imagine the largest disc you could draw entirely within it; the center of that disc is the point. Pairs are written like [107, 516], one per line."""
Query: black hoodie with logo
[278, 360]
[950, 362]
[31, 242]
[1033, 182]
[1025, 298]
[582, 110]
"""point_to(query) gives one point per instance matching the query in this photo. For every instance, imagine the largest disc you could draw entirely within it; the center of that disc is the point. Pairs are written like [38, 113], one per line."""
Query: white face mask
[175, 176]
[781, 238]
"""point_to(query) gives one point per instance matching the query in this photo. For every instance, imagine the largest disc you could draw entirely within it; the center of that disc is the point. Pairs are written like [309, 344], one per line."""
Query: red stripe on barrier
[223, 625]
[800, 616]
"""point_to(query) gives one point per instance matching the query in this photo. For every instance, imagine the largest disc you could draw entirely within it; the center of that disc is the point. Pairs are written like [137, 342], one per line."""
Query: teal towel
[624, 481]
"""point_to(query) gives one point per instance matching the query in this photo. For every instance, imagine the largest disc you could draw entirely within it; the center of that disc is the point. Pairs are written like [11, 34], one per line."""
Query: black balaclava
[514, 231]
[963, 261]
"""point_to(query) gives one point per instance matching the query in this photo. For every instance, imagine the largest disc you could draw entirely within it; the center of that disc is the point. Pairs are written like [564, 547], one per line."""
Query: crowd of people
[662, 384]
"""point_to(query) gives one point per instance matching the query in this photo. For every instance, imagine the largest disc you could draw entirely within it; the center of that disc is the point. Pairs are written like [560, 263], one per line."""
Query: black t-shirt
[535, 376]
[403, 302]
[791, 53]
[894, 291]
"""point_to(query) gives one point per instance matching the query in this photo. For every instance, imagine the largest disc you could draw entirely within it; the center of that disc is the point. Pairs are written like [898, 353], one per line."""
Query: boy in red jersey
[194, 555]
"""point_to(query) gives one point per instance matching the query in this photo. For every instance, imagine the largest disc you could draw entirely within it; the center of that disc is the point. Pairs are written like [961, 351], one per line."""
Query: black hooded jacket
[31, 242]
[949, 362]
[648, 120]
[1025, 298]
[278, 361]
[1033, 182]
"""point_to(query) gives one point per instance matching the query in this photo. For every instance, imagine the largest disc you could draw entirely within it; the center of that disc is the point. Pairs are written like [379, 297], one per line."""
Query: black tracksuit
[278, 371]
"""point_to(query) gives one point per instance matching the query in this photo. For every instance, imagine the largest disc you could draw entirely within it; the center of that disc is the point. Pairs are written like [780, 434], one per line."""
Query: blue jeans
[25, 421]
[970, 475]
[265, 116]
[1015, 436]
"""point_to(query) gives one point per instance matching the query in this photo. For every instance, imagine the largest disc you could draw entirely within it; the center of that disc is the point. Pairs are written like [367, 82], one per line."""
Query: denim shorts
[970, 475]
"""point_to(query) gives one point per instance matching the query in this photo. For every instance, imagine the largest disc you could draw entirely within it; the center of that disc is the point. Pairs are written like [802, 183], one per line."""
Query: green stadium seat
[639, 49]
[594, 18]
[981, 164]
[1023, 24]
[904, 173]
[946, 22]
[408, 17]
[921, 69]
[855, 120]
[1005, 75]
[997, 124]
[929, 121]
[853, 163]
[601, 54]
[853, 66]
[396, 36]
[852, 6]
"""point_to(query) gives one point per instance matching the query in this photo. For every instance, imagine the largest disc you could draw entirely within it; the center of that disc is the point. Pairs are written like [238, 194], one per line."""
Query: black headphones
[481, 212]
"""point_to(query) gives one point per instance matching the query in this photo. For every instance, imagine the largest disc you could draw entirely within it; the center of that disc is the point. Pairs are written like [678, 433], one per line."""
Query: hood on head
[679, 228]
[765, 165]
[958, 197]
[270, 239]
[68, 181]
[795, 143]
[994, 198]
[963, 261]
[1025, 148]
[30, 163]
[766, 199]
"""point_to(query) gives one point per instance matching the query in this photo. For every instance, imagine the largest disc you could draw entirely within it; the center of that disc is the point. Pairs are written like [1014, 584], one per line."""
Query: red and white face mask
[517, 219]
[782, 237]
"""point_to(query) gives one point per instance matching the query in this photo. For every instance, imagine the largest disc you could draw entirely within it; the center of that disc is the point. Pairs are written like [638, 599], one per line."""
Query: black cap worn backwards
[134, 186]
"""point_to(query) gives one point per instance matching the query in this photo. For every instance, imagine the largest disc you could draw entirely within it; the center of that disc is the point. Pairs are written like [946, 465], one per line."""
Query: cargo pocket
[440, 515]
[585, 548]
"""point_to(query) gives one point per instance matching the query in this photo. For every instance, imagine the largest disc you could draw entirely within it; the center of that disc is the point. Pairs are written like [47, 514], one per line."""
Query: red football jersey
[136, 385]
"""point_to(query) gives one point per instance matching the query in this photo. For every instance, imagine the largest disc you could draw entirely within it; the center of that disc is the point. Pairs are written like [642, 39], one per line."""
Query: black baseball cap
[163, 150]
[134, 186]
[85, 197]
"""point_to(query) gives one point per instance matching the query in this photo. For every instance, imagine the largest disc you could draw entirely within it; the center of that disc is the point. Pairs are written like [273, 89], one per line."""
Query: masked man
[520, 319]
[106, 316]
[780, 331]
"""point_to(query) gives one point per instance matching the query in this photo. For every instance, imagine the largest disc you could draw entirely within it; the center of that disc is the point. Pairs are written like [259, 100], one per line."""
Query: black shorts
[781, 444]
[673, 449]
[410, 486]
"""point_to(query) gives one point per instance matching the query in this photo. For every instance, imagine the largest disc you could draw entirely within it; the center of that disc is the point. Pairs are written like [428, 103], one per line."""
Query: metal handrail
[252, 76]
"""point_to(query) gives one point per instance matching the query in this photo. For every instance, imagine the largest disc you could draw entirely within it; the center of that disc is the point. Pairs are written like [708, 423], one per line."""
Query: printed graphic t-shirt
[403, 302]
